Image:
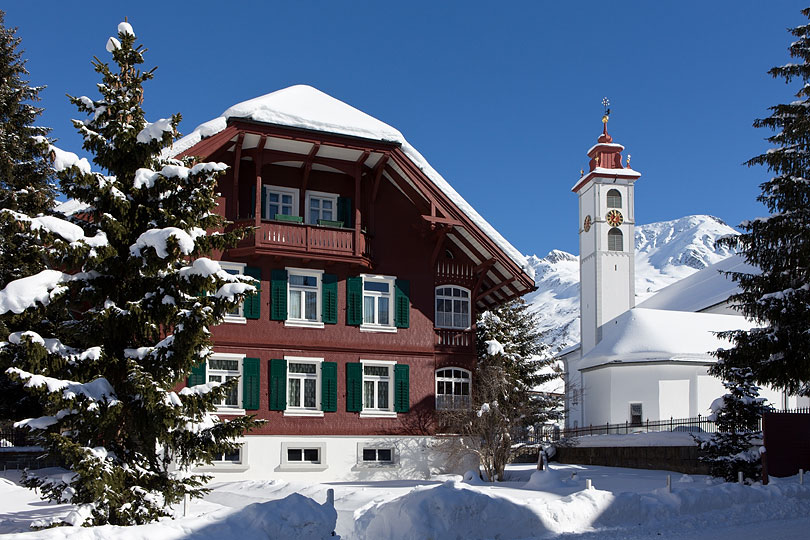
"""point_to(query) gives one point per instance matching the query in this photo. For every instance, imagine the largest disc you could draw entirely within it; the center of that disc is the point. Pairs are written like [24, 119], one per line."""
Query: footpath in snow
[624, 503]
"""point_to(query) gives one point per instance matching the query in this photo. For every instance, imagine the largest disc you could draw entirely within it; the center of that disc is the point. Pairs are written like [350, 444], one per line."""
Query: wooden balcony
[305, 241]
[455, 341]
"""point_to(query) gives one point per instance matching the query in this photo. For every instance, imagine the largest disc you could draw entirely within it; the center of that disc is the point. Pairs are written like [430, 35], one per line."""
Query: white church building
[646, 362]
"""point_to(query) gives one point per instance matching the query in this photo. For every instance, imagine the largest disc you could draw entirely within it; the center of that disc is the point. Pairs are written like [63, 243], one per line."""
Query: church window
[636, 417]
[614, 199]
[615, 240]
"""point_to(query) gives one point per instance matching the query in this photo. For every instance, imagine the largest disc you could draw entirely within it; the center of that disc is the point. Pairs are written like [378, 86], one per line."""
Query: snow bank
[449, 510]
[306, 107]
[295, 516]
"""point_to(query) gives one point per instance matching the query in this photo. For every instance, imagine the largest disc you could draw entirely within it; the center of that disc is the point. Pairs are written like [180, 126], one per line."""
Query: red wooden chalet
[372, 270]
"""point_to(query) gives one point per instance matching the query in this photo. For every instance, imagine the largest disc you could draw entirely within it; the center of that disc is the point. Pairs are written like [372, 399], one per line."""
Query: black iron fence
[698, 424]
[11, 438]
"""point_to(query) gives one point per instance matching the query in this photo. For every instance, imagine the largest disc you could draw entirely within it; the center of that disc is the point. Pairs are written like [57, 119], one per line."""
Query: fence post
[648, 425]
[607, 428]
[801, 476]
[626, 428]
[669, 483]
[740, 477]
[670, 423]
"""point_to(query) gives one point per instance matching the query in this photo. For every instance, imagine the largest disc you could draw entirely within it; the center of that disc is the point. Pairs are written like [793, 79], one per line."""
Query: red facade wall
[402, 247]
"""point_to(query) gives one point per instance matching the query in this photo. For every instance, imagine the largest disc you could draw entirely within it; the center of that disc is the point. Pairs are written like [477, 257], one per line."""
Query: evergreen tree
[507, 371]
[778, 351]
[733, 448]
[25, 186]
[120, 315]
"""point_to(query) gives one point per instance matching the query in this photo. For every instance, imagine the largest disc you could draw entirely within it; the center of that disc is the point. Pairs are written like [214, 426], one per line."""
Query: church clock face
[614, 218]
[587, 224]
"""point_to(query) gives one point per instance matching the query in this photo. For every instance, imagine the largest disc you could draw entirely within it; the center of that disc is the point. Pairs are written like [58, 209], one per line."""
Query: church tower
[606, 238]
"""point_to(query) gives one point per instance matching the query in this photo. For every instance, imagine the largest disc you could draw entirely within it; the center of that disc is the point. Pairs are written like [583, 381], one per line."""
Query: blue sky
[502, 98]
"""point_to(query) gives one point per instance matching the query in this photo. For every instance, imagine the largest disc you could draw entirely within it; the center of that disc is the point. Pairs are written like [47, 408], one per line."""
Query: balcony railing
[301, 238]
[462, 340]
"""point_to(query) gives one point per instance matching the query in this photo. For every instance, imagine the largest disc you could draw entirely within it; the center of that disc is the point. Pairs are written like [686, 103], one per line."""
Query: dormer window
[614, 199]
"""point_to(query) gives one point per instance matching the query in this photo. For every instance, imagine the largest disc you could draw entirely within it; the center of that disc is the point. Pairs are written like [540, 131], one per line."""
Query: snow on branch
[154, 131]
[97, 391]
[68, 231]
[24, 293]
[158, 238]
[62, 160]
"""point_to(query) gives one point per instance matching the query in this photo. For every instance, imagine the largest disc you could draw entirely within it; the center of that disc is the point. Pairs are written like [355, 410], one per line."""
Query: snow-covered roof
[645, 335]
[305, 107]
[702, 289]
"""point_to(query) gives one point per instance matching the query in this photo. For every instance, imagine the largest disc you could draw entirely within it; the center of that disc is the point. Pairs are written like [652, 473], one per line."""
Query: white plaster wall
[615, 288]
[415, 458]
[671, 402]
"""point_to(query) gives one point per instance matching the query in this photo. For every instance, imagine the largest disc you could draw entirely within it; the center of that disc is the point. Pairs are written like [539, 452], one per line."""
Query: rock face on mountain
[666, 251]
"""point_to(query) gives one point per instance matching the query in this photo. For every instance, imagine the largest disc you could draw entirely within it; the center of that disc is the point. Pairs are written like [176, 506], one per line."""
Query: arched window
[452, 388]
[452, 307]
[614, 199]
[615, 240]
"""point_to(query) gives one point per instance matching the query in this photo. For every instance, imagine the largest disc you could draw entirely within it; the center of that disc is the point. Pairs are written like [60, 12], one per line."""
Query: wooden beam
[495, 288]
[275, 156]
[372, 200]
[440, 234]
[443, 221]
[305, 180]
[481, 272]
[357, 211]
[207, 146]
[259, 163]
[236, 161]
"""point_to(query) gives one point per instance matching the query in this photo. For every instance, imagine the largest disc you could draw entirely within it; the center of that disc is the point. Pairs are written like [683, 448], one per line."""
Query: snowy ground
[625, 503]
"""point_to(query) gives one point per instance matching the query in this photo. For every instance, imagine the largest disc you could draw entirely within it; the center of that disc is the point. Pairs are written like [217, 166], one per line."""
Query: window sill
[372, 465]
[289, 467]
[456, 328]
[378, 414]
[234, 320]
[303, 324]
[303, 412]
[230, 411]
[376, 328]
[223, 467]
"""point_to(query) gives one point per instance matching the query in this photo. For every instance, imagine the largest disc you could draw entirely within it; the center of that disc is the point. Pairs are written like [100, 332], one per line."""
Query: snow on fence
[13, 438]
[698, 424]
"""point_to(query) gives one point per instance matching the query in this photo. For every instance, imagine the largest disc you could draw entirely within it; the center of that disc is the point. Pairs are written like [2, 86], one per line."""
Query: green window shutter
[344, 211]
[197, 375]
[402, 388]
[278, 294]
[251, 306]
[250, 383]
[402, 303]
[354, 301]
[263, 208]
[354, 387]
[329, 300]
[329, 386]
[278, 385]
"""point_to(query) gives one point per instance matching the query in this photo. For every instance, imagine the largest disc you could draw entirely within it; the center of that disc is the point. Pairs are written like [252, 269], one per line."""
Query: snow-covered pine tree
[508, 369]
[25, 186]
[733, 448]
[105, 334]
[778, 350]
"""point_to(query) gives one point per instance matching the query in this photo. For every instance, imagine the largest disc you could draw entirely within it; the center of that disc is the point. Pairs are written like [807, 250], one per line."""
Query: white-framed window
[321, 206]
[378, 302]
[237, 269]
[614, 198]
[376, 455]
[303, 456]
[303, 386]
[304, 297]
[221, 368]
[615, 240]
[452, 307]
[378, 388]
[280, 200]
[228, 458]
[453, 388]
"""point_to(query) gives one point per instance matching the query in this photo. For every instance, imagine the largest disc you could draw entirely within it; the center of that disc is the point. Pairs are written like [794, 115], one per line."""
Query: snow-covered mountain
[665, 252]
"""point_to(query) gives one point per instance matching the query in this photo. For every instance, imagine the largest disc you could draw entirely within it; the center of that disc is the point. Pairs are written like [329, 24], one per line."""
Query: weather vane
[606, 104]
